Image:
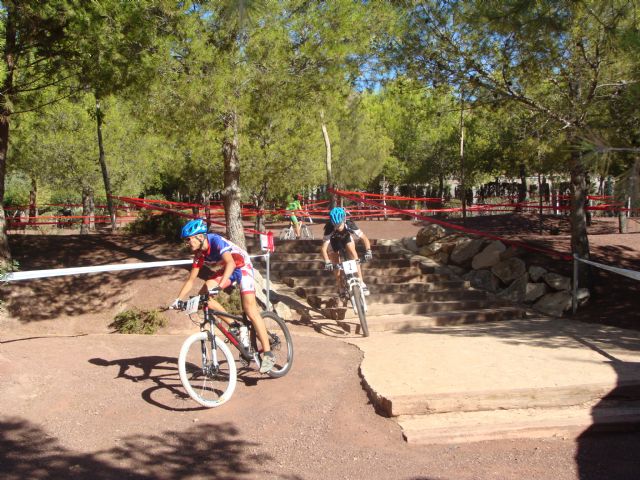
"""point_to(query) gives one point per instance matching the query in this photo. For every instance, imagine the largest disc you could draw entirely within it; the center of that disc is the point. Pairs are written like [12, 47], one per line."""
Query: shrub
[166, 224]
[138, 321]
[231, 302]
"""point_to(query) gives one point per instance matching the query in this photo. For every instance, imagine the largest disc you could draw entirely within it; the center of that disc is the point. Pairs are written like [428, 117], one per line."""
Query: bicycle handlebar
[182, 305]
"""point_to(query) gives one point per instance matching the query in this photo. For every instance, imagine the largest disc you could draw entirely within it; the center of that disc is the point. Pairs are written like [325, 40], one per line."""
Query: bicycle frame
[349, 277]
[213, 319]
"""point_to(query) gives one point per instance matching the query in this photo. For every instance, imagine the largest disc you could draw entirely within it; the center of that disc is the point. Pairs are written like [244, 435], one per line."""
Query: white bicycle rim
[204, 384]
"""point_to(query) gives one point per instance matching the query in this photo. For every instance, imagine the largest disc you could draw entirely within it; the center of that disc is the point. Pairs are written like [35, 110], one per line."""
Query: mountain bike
[289, 233]
[351, 284]
[206, 364]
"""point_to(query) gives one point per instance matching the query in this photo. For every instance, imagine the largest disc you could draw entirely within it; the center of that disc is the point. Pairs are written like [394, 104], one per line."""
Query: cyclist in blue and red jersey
[231, 265]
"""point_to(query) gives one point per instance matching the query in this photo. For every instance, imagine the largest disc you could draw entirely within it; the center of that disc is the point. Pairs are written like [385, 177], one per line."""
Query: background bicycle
[206, 364]
[289, 233]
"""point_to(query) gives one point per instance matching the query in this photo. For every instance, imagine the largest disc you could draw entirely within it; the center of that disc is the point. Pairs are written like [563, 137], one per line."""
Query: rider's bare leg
[250, 307]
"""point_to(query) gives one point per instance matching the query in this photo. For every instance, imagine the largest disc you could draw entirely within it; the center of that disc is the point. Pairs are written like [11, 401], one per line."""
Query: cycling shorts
[293, 219]
[242, 276]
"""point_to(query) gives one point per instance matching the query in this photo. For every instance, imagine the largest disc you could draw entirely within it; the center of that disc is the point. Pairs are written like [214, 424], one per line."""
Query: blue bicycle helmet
[337, 215]
[193, 227]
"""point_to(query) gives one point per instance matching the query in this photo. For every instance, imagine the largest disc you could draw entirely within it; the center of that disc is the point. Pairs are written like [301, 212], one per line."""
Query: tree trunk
[87, 210]
[5, 113]
[231, 191]
[260, 204]
[327, 144]
[579, 238]
[103, 165]
[33, 199]
[522, 188]
[462, 186]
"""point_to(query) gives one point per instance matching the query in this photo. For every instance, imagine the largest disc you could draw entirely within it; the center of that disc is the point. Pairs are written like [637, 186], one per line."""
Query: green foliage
[231, 301]
[138, 321]
[167, 225]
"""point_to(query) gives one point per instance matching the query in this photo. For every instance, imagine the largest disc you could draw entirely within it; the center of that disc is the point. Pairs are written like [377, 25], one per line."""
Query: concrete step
[329, 298]
[367, 272]
[304, 246]
[469, 311]
[330, 289]
[318, 264]
[406, 323]
[566, 422]
[295, 256]
[409, 280]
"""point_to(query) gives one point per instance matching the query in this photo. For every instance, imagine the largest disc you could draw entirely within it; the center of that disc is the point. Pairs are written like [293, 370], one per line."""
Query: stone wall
[493, 266]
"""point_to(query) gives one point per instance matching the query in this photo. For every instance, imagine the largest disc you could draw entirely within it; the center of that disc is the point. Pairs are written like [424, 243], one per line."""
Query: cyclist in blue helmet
[338, 235]
[230, 265]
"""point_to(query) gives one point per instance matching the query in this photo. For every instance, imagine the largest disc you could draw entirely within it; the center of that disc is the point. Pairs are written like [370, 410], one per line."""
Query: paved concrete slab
[518, 355]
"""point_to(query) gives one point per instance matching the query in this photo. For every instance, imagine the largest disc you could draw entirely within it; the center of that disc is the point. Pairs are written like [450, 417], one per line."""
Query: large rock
[557, 281]
[465, 250]
[510, 269]
[517, 290]
[281, 309]
[483, 280]
[489, 256]
[534, 291]
[410, 244]
[554, 303]
[430, 249]
[536, 272]
[429, 234]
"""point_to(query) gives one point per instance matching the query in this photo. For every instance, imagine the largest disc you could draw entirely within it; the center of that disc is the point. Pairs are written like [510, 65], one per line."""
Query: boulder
[536, 272]
[465, 250]
[482, 280]
[489, 256]
[534, 291]
[517, 290]
[554, 304]
[583, 296]
[455, 270]
[441, 257]
[410, 244]
[510, 269]
[430, 249]
[510, 253]
[429, 234]
[557, 281]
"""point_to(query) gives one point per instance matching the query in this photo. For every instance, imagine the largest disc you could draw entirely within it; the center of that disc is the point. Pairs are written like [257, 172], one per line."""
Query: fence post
[574, 293]
[268, 280]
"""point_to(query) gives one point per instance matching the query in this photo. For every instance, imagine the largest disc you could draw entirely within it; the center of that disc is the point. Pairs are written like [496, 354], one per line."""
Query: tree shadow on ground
[541, 332]
[202, 451]
[601, 454]
[49, 298]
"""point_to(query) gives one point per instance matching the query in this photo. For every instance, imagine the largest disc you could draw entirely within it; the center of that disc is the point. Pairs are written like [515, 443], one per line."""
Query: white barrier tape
[620, 271]
[82, 270]
[59, 272]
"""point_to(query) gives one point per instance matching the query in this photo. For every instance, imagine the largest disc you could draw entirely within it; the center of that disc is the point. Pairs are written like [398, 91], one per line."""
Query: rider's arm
[229, 267]
[365, 240]
[324, 251]
[186, 288]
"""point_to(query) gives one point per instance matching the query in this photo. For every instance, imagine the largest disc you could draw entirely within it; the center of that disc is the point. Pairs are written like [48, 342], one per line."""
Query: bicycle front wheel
[358, 302]
[285, 234]
[207, 369]
[280, 342]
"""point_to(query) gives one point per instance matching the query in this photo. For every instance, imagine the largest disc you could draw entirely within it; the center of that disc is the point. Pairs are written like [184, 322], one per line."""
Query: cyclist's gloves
[328, 266]
[177, 304]
[368, 255]
[215, 290]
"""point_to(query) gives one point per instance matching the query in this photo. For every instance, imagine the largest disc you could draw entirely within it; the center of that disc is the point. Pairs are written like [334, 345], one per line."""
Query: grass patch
[138, 321]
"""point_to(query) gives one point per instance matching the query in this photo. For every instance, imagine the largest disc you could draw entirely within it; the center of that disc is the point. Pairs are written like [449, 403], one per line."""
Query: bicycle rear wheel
[207, 369]
[285, 233]
[306, 233]
[281, 344]
[358, 302]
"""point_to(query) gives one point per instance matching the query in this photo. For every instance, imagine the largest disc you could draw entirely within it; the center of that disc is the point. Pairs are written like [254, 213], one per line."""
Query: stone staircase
[407, 292]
